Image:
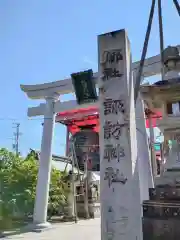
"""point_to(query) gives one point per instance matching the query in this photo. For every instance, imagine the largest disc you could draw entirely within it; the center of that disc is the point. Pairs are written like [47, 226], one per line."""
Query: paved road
[86, 229]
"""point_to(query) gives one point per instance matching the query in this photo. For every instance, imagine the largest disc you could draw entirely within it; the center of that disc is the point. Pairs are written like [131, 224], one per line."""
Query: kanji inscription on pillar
[115, 148]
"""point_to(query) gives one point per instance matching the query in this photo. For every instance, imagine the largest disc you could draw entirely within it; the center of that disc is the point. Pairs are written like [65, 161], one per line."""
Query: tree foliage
[18, 179]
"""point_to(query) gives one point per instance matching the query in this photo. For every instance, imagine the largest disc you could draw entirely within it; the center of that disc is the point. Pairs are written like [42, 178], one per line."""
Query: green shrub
[18, 178]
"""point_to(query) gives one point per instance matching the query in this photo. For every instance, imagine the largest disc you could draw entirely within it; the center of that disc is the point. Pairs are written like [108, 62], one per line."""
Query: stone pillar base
[170, 177]
[162, 229]
[38, 227]
[161, 214]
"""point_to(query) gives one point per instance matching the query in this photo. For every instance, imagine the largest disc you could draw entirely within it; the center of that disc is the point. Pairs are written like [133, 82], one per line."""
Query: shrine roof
[76, 119]
[76, 114]
[161, 91]
[161, 86]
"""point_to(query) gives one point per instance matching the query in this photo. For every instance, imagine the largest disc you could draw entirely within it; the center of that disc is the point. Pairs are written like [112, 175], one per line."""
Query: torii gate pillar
[120, 190]
[42, 188]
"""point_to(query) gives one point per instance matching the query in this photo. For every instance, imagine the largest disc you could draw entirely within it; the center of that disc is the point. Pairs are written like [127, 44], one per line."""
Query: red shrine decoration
[75, 119]
[154, 117]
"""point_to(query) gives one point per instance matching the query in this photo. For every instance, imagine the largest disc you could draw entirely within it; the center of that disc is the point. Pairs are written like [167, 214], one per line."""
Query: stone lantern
[161, 212]
[165, 98]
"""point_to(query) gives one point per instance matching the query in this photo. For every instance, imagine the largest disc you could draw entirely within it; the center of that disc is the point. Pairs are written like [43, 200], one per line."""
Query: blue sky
[47, 40]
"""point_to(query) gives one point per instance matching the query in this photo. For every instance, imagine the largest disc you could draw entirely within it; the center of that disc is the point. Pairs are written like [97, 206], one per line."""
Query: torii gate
[124, 184]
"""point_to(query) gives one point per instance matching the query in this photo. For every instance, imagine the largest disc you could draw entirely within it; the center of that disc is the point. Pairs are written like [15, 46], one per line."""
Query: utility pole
[16, 135]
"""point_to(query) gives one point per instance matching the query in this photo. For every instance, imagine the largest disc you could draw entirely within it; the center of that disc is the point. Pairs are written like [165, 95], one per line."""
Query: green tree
[18, 179]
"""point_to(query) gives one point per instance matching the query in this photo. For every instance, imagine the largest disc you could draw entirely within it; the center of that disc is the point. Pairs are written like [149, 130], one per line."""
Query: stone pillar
[153, 155]
[42, 189]
[173, 158]
[144, 161]
[67, 141]
[120, 208]
[171, 168]
[71, 201]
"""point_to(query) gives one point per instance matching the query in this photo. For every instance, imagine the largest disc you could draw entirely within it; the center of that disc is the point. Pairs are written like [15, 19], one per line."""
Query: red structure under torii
[75, 120]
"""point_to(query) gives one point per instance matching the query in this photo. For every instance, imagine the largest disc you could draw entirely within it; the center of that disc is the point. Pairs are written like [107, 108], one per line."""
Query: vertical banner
[118, 149]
